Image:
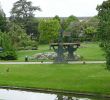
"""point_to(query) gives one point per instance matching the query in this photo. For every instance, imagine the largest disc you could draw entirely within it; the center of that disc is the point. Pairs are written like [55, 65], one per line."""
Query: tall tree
[23, 14]
[32, 28]
[23, 9]
[75, 29]
[2, 20]
[72, 19]
[66, 22]
[57, 18]
[104, 28]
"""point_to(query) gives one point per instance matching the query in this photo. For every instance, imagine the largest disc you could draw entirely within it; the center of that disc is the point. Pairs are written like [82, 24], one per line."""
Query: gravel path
[73, 62]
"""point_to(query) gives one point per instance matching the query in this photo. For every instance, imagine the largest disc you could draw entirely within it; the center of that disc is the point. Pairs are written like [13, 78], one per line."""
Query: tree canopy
[22, 14]
[23, 9]
[66, 22]
[104, 28]
[2, 20]
[49, 30]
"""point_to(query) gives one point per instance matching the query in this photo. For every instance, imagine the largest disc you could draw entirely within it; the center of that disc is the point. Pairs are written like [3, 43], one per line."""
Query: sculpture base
[60, 60]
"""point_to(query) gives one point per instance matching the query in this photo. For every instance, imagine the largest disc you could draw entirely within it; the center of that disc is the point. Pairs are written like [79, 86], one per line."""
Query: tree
[32, 28]
[71, 25]
[8, 52]
[66, 22]
[90, 33]
[57, 18]
[75, 29]
[104, 29]
[19, 38]
[72, 18]
[2, 20]
[49, 30]
[23, 9]
[22, 13]
[93, 21]
[89, 28]
[17, 35]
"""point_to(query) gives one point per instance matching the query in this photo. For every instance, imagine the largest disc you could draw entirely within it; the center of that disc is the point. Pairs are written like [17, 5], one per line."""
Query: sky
[62, 8]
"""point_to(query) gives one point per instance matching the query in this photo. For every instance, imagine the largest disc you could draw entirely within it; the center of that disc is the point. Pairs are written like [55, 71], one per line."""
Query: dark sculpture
[60, 48]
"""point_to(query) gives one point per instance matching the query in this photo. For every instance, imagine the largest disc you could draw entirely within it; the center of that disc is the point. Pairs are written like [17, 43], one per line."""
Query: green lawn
[23, 53]
[82, 78]
[89, 51]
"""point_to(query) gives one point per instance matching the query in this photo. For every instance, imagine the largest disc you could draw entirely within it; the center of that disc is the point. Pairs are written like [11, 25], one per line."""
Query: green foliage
[32, 27]
[90, 33]
[91, 22]
[22, 13]
[63, 24]
[2, 21]
[66, 22]
[49, 30]
[5, 41]
[89, 28]
[104, 28]
[75, 29]
[19, 38]
[71, 25]
[9, 52]
[17, 35]
[32, 44]
[71, 19]
[23, 9]
[8, 55]
[57, 18]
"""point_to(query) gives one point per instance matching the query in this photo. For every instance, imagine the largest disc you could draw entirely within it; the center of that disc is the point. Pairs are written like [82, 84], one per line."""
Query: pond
[27, 95]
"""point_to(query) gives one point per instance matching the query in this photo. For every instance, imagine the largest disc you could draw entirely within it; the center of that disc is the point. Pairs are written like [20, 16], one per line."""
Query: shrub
[8, 55]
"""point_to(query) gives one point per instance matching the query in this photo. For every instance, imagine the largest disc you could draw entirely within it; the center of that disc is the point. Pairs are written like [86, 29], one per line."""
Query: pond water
[23, 95]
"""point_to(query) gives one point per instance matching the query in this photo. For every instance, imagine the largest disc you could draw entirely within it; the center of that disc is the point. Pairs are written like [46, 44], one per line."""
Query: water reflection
[23, 95]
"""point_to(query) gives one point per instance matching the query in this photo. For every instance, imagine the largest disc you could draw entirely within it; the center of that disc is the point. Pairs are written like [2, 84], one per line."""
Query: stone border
[54, 91]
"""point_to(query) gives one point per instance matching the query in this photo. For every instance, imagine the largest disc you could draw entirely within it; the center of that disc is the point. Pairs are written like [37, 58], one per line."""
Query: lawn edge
[56, 91]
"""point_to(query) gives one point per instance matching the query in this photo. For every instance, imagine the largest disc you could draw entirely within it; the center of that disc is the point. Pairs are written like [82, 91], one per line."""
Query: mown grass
[88, 51]
[92, 78]
[29, 53]
[91, 52]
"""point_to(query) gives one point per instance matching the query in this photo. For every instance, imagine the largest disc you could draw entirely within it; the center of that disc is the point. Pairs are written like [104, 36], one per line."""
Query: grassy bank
[84, 78]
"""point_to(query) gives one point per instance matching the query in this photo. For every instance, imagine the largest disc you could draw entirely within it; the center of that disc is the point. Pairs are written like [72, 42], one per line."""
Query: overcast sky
[63, 8]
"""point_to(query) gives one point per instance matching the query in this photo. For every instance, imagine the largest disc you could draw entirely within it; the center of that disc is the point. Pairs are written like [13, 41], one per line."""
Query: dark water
[23, 95]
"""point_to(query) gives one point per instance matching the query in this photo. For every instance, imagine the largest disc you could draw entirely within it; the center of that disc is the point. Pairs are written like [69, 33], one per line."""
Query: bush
[21, 48]
[8, 55]
[28, 48]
